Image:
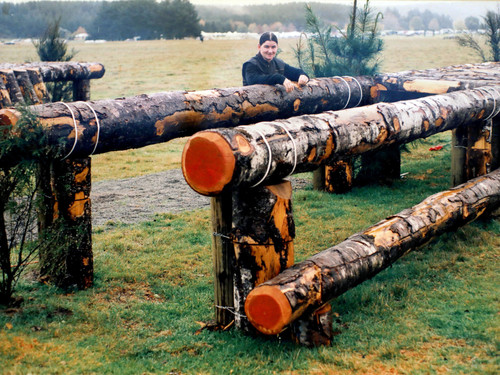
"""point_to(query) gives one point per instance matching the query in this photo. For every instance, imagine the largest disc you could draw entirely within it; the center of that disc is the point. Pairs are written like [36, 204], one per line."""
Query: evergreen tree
[492, 26]
[51, 47]
[354, 52]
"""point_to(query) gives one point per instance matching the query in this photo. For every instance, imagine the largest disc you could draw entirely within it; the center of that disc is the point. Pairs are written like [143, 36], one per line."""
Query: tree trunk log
[324, 276]
[263, 232]
[245, 156]
[441, 80]
[61, 71]
[147, 119]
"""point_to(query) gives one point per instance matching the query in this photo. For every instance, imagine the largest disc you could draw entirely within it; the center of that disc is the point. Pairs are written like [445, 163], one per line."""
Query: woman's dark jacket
[259, 71]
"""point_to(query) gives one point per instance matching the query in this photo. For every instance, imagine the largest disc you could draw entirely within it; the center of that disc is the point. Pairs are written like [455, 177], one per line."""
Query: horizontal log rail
[147, 119]
[60, 71]
[441, 80]
[246, 156]
[309, 284]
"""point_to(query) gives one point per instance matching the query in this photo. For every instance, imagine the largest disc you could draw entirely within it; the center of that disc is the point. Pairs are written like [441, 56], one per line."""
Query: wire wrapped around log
[148, 119]
[313, 282]
[245, 155]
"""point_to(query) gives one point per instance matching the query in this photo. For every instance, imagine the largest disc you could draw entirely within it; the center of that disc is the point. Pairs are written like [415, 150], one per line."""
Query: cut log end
[208, 163]
[8, 117]
[268, 309]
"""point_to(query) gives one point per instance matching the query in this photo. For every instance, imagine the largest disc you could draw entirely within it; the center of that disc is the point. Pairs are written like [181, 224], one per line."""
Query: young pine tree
[491, 38]
[354, 52]
[52, 47]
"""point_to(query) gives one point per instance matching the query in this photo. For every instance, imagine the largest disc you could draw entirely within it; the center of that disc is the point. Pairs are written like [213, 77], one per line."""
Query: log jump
[247, 156]
[25, 83]
[309, 284]
[139, 121]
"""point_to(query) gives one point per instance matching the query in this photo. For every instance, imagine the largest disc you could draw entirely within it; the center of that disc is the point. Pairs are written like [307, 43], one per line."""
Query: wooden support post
[313, 329]
[334, 177]
[10, 81]
[495, 143]
[39, 85]
[4, 94]
[27, 90]
[65, 223]
[223, 258]
[81, 90]
[458, 154]
[339, 176]
[381, 166]
[472, 153]
[263, 232]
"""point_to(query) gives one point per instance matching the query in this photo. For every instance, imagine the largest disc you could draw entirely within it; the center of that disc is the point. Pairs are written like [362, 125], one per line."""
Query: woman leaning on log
[266, 68]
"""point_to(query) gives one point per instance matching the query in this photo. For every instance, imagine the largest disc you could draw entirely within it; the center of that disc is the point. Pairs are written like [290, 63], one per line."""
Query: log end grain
[208, 163]
[8, 117]
[268, 309]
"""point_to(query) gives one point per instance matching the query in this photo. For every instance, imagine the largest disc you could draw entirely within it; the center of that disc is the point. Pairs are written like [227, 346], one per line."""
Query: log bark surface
[330, 273]
[269, 151]
[61, 71]
[147, 119]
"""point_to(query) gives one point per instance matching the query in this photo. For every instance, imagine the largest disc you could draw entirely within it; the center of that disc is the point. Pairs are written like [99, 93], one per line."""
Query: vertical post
[335, 177]
[65, 218]
[495, 143]
[314, 329]
[458, 155]
[474, 150]
[339, 176]
[263, 232]
[380, 166]
[81, 90]
[65, 223]
[223, 257]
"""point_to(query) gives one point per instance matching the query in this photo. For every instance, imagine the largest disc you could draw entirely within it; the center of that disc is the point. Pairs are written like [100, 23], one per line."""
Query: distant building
[80, 34]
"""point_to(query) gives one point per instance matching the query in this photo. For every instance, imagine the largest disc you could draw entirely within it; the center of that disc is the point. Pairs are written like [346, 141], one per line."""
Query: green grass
[434, 311]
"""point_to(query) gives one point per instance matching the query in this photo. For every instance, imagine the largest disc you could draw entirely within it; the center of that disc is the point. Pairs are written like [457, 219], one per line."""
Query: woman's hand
[289, 86]
[303, 79]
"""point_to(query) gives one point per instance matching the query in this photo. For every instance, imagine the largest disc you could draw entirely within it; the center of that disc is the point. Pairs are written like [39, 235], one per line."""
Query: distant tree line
[289, 17]
[112, 20]
[151, 19]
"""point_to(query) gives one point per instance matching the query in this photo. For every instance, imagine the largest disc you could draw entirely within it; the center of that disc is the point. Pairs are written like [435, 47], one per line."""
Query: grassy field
[435, 311]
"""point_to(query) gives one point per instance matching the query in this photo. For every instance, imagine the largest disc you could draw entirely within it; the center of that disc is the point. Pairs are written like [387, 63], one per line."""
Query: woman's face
[268, 50]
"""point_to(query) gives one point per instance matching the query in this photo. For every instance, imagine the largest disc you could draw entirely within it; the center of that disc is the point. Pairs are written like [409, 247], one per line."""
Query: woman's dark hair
[268, 36]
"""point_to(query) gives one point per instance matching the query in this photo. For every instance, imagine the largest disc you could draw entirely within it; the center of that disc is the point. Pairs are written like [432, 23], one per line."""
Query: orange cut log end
[268, 309]
[208, 163]
[9, 117]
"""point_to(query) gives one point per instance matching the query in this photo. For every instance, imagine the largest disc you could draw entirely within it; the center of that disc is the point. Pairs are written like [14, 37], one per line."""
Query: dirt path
[133, 200]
